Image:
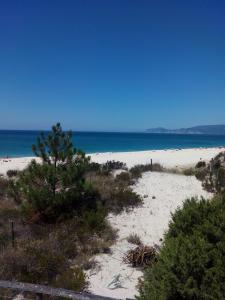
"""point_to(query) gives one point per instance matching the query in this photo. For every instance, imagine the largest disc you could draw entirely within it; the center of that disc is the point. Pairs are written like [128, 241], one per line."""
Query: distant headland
[203, 129]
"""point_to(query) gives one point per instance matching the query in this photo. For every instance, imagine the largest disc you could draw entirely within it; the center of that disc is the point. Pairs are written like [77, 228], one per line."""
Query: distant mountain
[204, 129]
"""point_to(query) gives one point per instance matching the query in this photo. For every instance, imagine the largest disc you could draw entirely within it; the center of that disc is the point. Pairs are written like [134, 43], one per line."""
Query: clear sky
[111, 64]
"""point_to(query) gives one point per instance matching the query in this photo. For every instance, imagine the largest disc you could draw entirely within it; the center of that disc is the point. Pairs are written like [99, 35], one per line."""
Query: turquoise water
[18, 143]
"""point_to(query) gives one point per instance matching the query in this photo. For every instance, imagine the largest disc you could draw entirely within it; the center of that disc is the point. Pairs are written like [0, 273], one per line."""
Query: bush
[56, 188]
[212, 174]
[111, 165]
[95, 220]
[32, 261]
[141, 256]
[12, 173]
[123, 199]
[133, 238]
[136, 171]
[106, 168]
[72, 279]
[189, 172]
[201, 173]
[115, 195]
[200, 164]
[124, 178]
[220, 183]
[191, 262]
[43, 252]
[4, 184]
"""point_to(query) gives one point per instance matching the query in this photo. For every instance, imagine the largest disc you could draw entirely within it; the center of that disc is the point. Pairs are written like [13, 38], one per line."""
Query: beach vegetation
[189, 172]
[124, 178]
[45, 253]
[12, 173]
[124, 199]
[212, 174]
[137, 170]
[134, 239]
[72, 279]
[200, 164]
[53, 214]
[116, 194]
[191, 262]
[106, 168]
[141, 256]
[56, 187]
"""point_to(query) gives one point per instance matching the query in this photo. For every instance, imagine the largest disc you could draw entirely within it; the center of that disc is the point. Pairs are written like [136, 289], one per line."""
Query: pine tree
[56, 187]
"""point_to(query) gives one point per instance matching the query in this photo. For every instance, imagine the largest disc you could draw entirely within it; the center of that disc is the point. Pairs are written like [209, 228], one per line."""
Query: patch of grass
[136, 171]
[135, 239]
[124, 199]
[72, 279]
[95, 219]
[189, 172]
[43, 252]
[115, 194]
[106, 168]
[124, 178]
[32, 261]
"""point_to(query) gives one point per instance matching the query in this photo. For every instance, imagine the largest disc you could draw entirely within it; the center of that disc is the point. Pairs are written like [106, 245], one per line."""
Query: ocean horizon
[17, 143]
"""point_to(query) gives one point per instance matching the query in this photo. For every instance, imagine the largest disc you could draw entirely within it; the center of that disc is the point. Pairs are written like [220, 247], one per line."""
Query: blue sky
[119, 65]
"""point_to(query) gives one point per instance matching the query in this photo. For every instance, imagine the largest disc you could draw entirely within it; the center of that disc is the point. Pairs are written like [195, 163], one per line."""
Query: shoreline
[172, 158]
[6, 156]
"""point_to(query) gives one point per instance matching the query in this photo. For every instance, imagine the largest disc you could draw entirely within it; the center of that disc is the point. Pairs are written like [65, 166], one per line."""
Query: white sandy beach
[168, 158]
[162, 192]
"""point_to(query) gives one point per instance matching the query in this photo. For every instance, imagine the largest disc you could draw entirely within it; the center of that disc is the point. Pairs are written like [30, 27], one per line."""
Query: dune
[163, 193]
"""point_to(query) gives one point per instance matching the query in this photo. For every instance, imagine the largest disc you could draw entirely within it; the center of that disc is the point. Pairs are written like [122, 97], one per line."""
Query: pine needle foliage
[56, 187]
[191, 263]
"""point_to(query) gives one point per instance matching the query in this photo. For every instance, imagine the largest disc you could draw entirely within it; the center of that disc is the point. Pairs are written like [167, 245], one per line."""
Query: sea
[17, 143]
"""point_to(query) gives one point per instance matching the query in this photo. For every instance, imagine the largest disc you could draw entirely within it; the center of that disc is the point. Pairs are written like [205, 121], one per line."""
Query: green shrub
[220, 182]
[123, 199]
[12, 173]
[191, 262]
[201, 173]
[189, 172]
[124, 178]
[115, 195]
[56, 188]
[106, 168]
[95, 219]
[4, 184]
[72, 279]
[111, 165]
[136, 171]
[213, 174]
[200, 164]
